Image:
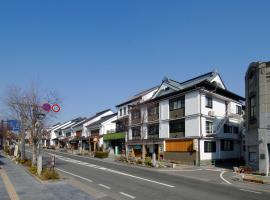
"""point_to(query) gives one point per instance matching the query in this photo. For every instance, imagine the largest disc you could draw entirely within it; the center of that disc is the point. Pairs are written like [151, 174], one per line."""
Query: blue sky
[97, 54]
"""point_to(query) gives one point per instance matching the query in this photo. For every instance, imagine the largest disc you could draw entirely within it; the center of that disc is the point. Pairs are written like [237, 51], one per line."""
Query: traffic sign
[13, 125]
[55, 108]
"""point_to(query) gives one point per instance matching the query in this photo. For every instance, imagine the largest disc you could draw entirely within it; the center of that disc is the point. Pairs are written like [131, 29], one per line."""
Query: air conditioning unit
[211, 113]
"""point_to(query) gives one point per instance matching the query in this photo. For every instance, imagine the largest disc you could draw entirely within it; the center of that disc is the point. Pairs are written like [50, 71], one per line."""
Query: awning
[114, 136]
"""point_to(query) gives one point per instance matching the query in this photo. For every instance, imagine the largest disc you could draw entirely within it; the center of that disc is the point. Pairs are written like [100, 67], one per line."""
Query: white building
[195, 121]
[100, 128]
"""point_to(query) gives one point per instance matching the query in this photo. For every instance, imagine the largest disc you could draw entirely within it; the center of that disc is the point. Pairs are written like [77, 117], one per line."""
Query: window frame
[208, 102]
[226, 145]
[180, 123]
[207, 127]
[212, 148]
[176, 104]
[238, 110]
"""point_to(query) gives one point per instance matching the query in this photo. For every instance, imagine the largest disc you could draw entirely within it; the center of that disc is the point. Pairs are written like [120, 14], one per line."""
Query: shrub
[148, 161]
[33, 170]
[27, 163]
[121, 159]
[48, 174]
[139, 161]
[101, 154]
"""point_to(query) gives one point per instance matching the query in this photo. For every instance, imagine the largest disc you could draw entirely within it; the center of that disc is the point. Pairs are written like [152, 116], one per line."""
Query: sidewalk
[28, 187]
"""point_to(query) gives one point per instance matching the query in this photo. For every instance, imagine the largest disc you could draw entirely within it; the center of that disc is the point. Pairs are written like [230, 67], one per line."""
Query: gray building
[258, 116]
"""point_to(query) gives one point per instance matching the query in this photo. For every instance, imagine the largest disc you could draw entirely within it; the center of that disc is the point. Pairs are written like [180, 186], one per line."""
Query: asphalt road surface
[127, 182]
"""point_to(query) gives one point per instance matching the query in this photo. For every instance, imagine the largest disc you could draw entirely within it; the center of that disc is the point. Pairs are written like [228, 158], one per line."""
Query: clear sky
[97, 54]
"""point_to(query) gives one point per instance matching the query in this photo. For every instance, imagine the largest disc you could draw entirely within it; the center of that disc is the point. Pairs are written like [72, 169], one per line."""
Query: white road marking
[250, 191]
[86, 179]
[179, 170]
[127, 195]
[221, 176]
[105, 186]
[110, 170]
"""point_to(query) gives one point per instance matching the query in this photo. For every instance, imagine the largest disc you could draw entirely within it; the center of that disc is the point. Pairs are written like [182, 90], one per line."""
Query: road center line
[127, 195]
[86, 179]
[250, 191]
[105, 186]
[221, 176]
[114, 171]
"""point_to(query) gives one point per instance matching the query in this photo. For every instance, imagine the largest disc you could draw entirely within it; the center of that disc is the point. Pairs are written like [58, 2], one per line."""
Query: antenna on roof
[165, 79]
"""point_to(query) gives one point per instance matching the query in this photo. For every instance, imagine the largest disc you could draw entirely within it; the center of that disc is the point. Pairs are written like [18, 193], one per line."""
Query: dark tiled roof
[137, 96]
[103, 119]
[98, 114]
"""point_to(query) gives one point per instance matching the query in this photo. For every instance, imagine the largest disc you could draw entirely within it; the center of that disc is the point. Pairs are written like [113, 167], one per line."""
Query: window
[153, 110]
[209, 127]
[177, 126]
[153, 130]
[226, 145]
[121, 112]
[252, 156]
[135, 114]
[68, 134]
[252, 108]
[208, 102]
[177, 129]
[228, 129]
[235, 129]
[136, 132]
[125, 110]
[209, 146]
[238, 110]
[177, 104]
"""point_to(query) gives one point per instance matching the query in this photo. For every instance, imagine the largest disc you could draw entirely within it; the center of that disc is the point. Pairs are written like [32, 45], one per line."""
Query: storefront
[135, 148]
[116, 142]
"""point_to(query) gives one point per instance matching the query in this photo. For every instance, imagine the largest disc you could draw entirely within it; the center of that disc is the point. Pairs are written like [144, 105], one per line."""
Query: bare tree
[139, 117]
[27, 106]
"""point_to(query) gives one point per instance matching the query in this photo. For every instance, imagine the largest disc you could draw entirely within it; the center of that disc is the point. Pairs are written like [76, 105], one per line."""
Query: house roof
[137, 96]
[97, 115]
[103, 119]
[68, 124]
[177, 86]
[205, 84]
[79, 123]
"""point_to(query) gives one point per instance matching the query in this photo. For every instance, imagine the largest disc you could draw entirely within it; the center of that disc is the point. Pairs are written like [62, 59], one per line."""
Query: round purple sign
[46, 107]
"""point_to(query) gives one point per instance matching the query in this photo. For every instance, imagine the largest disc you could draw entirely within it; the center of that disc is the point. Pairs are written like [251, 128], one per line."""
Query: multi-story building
[192, 122]
[258, 116]
[92, 135]
[123, 116]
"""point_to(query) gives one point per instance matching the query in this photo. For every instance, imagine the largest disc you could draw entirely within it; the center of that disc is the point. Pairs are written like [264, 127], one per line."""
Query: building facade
[192, 122]
[258, 116]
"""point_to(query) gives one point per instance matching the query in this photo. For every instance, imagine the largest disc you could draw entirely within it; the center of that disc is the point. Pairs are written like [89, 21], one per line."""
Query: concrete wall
[181, 157]
[220, 154]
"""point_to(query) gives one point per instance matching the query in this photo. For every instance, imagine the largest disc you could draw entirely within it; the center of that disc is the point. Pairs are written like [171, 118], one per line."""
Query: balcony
[153, 136]
[177, 135]
[136, 137]
[178, 113]
[135, 121]
[152, 118]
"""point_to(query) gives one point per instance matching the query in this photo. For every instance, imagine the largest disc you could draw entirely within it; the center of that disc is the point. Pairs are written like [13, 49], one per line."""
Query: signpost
[13, 125]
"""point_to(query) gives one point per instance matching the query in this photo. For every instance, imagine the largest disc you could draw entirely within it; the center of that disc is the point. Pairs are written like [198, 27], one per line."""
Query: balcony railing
[136, 137]
[154, 136]
[177, 135]
[152, 118]
[135, 121]
[175, 114]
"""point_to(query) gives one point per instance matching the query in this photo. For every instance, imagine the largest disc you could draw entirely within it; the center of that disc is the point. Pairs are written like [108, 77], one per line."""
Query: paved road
[125, 182]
